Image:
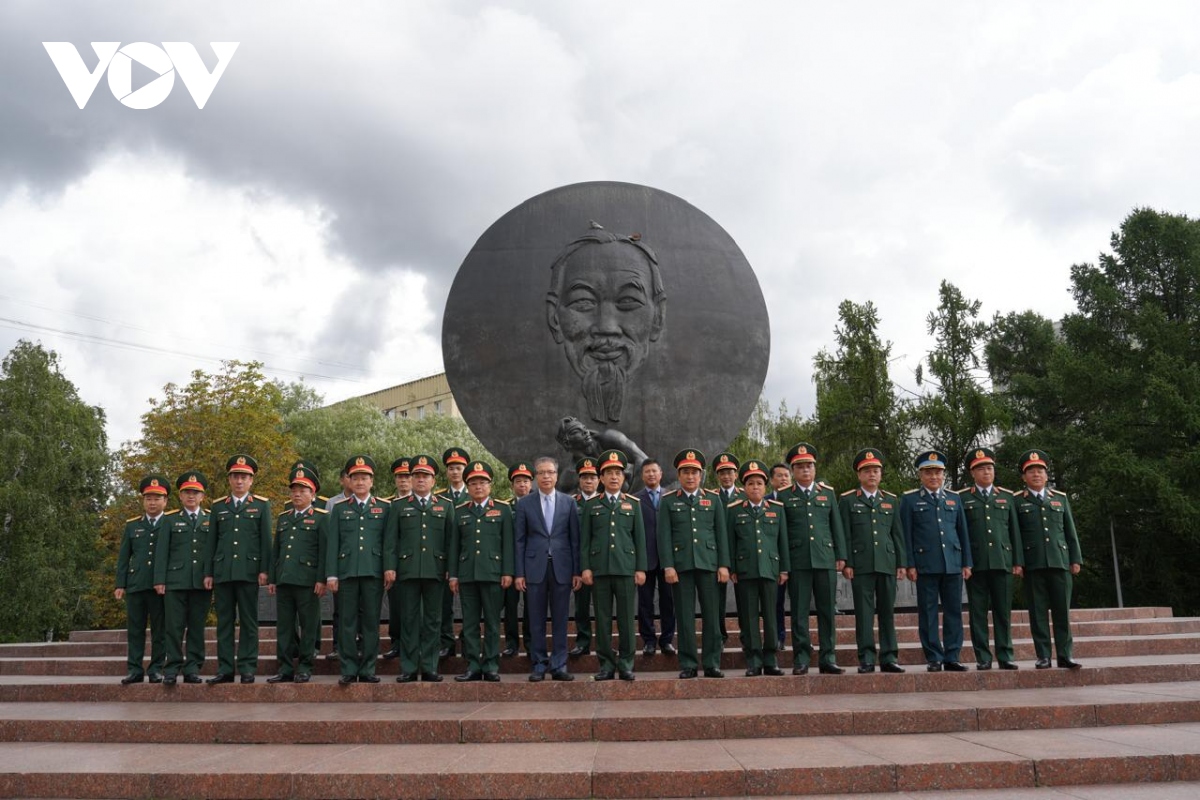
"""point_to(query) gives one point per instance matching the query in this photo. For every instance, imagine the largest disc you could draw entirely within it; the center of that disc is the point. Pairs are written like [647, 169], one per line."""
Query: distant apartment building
[415, 399]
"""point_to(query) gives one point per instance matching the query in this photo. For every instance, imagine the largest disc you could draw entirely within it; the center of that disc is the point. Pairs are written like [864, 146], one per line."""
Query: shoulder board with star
[1022, 493]
[463, 504]
[341, 499]
[826, 485]
[444, 496]
[678, 492]
[771, 502]
[634, 498]
[320, 499]
[1002, 489]
[260, 497]
[320, 510]
[389, 499]
[886, 493]
[172, 511]
[951, 491]
[133, 519]
[1058, 493]
[848, 492]
[504, 502]
[735, 503]
[284, 513]
[220, 499]
[711, 491]
[911, 491]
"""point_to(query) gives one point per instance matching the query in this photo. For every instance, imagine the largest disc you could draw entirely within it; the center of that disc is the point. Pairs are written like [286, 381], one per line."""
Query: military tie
[192, 518]
[424, 503]
[691, 499]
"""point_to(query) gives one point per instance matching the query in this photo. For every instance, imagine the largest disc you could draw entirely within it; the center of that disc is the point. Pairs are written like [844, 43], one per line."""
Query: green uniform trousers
[991, 589]
[702, 585]
[583, 617]
[237, 599]
[447, 617]
[362, 599]
[875, 596]
[185, 610]
[481, 602]
[421, 600]
[821, 585]
[516, 619]
[140, 608]
[298, 627]
[755, 601]
[621, 590]
[1048, 592]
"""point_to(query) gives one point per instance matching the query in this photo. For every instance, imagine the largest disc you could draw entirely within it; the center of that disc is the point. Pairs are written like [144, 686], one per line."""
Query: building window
[437, 406]
[420, 412]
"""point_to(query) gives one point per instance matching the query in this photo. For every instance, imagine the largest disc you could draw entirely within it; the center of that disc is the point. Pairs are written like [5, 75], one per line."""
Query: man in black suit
[655, 582]
[547, 566]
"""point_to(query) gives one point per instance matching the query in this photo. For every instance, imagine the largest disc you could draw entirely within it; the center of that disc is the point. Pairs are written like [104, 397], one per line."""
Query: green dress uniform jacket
[995, 549]
[298, 563]
[1051, 545]
[724, 589]
[693, 541]
[421, 543]
[180, 567]
[875, 550]
[481, 553]
[758, 539]
[239, 540]
[135, 574]
[358, 552]
[583, 597]
[816, 543]
[455, 498]
[612, 544]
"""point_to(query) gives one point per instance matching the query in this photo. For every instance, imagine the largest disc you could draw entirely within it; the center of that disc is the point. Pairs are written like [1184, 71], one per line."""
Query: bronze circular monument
[604, 315]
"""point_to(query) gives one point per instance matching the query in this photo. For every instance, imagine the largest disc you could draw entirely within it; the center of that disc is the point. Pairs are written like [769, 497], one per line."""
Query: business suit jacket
[650, 524]
[537, 547]
[935, 532]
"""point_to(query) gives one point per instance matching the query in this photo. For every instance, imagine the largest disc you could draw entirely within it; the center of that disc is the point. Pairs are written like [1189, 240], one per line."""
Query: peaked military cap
[520, 470]
[422, 463]
[613, 458]
[586, 466]
[689, 458]
[455, 455]
[400, 466]
[478, 469]
[725, 461]
[357, 464]
[750, 469]
[931, 458]
[155, 484]
[868, 457]
[309, 467]
[801, 453]
[192, 480]
[1034, 458]
[242, 463]
[980, 456]
[304, 477]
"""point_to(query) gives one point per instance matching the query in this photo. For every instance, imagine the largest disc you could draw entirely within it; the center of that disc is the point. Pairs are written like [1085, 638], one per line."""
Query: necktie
[479, 509]
[362, 506]
[654, 498]
[547, 511]
[424, 503]
[192, 517]
[237, 506]
[691, 499]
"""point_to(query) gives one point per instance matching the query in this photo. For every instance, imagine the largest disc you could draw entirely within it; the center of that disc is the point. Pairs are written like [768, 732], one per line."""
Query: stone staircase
[1126, 725]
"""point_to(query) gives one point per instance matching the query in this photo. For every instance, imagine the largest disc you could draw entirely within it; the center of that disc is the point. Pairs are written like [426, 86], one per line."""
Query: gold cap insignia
[154, 481]
[870, 454]
[691, 454]
[422, 460]
[979, 454]
[241, 462]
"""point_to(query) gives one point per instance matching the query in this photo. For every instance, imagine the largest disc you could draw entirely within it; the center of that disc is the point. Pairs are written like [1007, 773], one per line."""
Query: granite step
[432, 722]
[1134, 754]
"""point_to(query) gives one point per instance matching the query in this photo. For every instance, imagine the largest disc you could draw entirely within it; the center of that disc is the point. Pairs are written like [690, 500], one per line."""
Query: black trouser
[666, 609]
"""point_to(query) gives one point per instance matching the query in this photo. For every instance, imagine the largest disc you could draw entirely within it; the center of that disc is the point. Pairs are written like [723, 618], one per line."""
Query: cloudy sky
[313, 214]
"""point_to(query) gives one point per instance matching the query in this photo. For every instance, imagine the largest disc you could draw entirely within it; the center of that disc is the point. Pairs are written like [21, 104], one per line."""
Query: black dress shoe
[405, 677]
[468, 677]
[626, 675]
[394, 652]
[863, 669]
[933, 667]
[332, 655]
[491, 677]
[192, 679]
[168, 680]
[713, 673]
[220, 677]
[1066, 663]
[155, 678]
[831, 669]
[128, 679]
[280, 679]
[774, 671]
[687, 673]
[1008, 665]
[1042, 663]
[368, 679]
[649, 650]
[800, 670]
[508, 652]
[445, 652]
[246, 679]
[430, 677]
[537, 677]
[954, 666]
[753, 672]
[983, 667]
[579, 650]
[669, 649]
[561, 675]
[303, 677]
[893, 668]
[604, 675]
[346, 680]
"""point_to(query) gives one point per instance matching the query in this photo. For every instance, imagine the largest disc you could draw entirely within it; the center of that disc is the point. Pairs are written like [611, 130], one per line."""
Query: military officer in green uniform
[612, 559]
[758, 545]
[693, 551]
[421, 528]
[997, 553]
[237, 556]
[179, 571]
[817, 551]
[297, 577]
[1052, 558]
[875, 560]
[455, 461]
[589, 487]
[481, 568]
[403, 480]
[136, 584]
[725, 467]
[359, 558]
[520, 478]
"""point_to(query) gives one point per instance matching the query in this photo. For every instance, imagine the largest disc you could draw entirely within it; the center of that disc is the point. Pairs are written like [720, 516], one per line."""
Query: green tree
[857, 404]
[53, 470]
[768, 435]
[960, 413]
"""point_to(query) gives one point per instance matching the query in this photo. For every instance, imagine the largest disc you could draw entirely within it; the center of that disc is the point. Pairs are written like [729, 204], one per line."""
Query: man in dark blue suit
[547, 566]
[655, 582]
